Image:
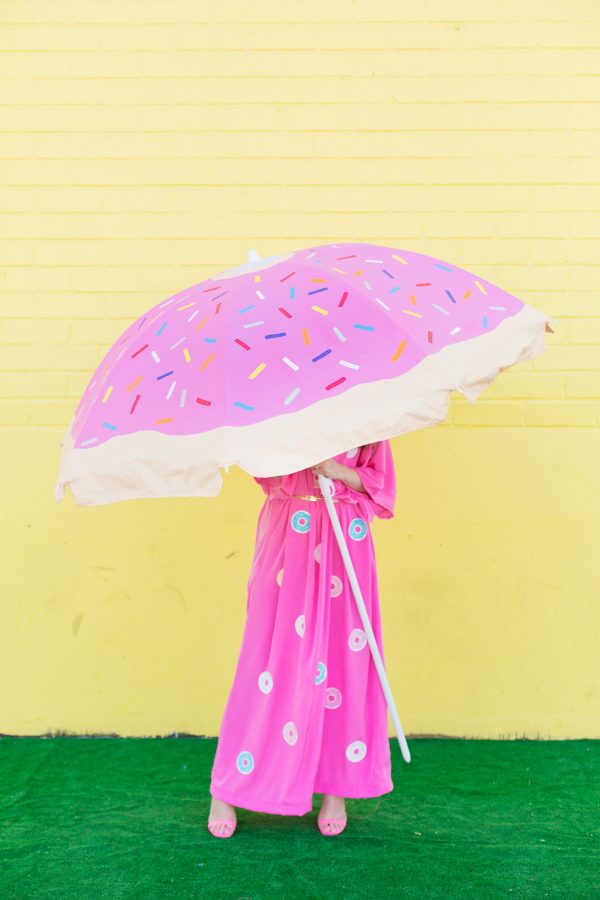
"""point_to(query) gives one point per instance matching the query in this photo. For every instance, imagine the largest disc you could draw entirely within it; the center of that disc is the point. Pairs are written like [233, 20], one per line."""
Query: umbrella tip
[253, 256]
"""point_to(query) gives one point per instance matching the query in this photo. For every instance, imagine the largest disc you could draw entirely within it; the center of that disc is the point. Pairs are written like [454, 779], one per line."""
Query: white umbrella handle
[325, 485]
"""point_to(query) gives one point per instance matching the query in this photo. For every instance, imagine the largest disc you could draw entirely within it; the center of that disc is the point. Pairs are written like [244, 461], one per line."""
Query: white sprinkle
[182, 401]
[441, 309]
[385, 306]
[291, 364]
[252, 324]
[155, 356]
[348, 364]
[339, 333]
[171, 389]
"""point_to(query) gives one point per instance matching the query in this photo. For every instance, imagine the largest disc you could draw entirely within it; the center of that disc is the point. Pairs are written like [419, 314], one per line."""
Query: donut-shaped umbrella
[286, 361]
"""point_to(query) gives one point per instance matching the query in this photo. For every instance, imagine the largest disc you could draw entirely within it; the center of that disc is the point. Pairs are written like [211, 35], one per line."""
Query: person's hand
[328, 467]
[549, 328]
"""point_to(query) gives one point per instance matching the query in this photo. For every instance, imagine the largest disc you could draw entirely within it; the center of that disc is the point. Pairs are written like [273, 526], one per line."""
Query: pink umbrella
[347, 343]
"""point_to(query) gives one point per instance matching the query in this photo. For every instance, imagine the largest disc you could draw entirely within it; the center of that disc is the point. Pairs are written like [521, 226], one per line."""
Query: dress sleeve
[378, 477]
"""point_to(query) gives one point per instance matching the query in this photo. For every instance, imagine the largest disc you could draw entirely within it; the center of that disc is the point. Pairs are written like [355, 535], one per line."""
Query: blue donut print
[357, 529]
[301, 521]
[245, 762]
[321, 673]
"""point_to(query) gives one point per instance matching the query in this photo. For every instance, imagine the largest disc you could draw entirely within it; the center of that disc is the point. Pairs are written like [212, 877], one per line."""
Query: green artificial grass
[126, 818]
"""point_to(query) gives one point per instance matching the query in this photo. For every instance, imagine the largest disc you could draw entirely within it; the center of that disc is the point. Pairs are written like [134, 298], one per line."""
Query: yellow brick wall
[148, 145]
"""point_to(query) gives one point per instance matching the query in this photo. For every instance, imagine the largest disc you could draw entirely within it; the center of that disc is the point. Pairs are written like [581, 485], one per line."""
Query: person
[306, 712]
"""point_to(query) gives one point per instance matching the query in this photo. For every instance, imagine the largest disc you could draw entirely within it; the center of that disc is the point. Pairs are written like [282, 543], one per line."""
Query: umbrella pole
[325, 485]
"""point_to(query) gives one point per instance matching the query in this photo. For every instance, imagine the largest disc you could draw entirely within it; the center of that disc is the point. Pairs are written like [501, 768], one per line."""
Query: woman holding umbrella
[306, 713]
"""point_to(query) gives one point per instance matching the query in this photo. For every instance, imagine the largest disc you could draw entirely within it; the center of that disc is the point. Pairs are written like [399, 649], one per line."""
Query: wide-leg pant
[306, 712]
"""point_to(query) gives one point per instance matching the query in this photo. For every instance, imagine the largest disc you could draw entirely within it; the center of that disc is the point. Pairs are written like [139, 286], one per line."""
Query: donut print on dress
[357, 529]
[356, 751]
[300, 625]
[352, 453]
[301, 521]
[357, 639]
[245, 762]
[265, 682]
[321, 673]
[318, 553]
[336, 586]
[290, 733]
[279, 577]
[333, 698]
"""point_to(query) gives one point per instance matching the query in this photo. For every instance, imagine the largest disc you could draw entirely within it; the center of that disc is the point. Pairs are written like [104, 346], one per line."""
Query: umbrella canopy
[285, 361]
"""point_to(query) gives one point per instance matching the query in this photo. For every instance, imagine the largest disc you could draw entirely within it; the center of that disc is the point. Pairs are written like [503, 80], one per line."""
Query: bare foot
[220, 810]
[332, 808]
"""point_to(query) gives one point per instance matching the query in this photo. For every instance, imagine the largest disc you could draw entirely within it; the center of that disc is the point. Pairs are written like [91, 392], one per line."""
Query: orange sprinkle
[203, 322]
[133, 383]
[305, 336]
[358, 272]
[162, 421]
[399, 350]
[206, 362]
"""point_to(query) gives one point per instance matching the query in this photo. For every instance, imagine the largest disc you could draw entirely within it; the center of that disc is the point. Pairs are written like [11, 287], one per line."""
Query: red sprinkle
[241, 343]
[203, 401]
[135, 403]
[285, 312]
[335, 383]
[344, 297]
[139, 351]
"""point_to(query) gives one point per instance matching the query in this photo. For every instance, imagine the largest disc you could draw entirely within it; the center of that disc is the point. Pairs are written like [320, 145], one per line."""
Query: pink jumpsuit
[306, 713]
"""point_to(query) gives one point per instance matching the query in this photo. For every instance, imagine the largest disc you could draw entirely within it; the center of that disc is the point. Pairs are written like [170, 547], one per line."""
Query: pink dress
[306, 713]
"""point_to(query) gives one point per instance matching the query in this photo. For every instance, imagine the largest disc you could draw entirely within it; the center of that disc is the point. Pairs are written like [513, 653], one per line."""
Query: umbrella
[348, 343]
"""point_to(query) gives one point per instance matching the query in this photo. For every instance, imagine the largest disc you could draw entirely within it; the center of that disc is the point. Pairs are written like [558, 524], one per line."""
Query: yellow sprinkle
[133, 383]
[203, 322]
[481, 287]
[187, 305]
[410, 312]
[162, 421]
[206, 362]
[318, 309]
[305, 336]
[400, 350]
[412, 300]
[358, 272]
[468, 294]
[257, 278]
[107, 394]
[258, 369]
[341, 271]
[186, 353]
[399, 258]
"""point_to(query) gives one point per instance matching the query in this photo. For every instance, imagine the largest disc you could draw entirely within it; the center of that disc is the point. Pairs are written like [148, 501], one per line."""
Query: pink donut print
[357, 639]
[336, 586]
[290, 733]
[333, 698]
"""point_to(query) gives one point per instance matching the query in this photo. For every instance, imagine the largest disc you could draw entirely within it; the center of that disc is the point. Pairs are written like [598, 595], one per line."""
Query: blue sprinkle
[321, 355]
[394, 289]
[485, 321]
[318, 291]
[385, 272]
[278, 334]
[292, 293]
[366, 327]
[246, 308]
[108, 425]
[243, 405]
[446, 268]
[210, 340]
[158, 377]
[212, 299]
[451, 297]
[161, 329]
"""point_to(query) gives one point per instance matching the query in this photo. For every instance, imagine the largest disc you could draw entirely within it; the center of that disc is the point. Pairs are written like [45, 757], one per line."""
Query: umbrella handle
[325, 485]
